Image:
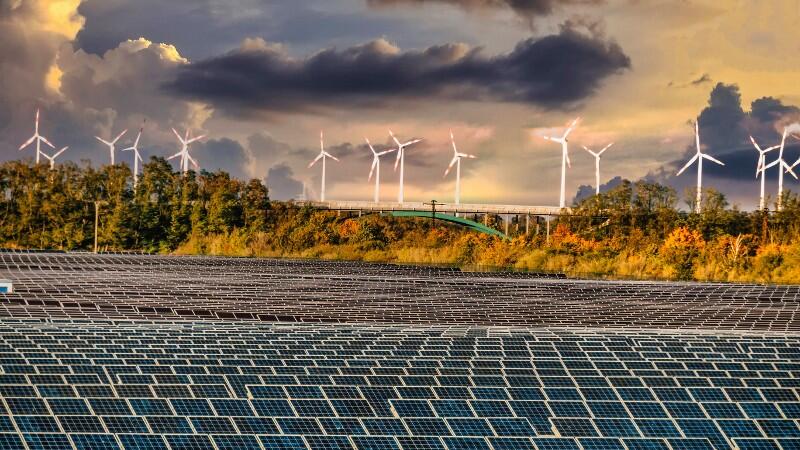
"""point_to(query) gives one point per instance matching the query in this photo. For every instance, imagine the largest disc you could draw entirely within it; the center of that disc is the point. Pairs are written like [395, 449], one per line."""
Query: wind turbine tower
[112, 144]
[564, 159]
[597, 166]
[401, 159]
[322, 155]
[761, 170]
[699, 156]
[376, 167]
[457, 162]
[136, 156]
[37, 138]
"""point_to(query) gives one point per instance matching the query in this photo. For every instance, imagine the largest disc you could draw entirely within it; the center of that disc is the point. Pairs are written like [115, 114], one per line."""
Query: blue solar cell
[465, 443]
[512, 427]
[375, 443]
[608, 409]
[273, 408]
[189, 442]
[427, 427]
[328, 443]
[283, 442]
[491, 408]
[68, 406]
[452, 408]
[236, 442]
[412, 408]
[780, 428]
[150, 407]
[756, 444]
[169, 424]
[511, 443]
[646, 444]
[574, 427]
[739, 428]
[213, 425]
[47, 441]
[27, 406]
[95, 441]
[761, 410]
[125, 424]
[37, 424]
[692, 444]
[601, 444]
[722, 410]
[555, 444]
[142, 442]
[616, 427]
[10, 441]
[296, 425]
[420, 443]
[342, 426]
[81, 424]
[384, 426]
[232, 407]
[110, 407]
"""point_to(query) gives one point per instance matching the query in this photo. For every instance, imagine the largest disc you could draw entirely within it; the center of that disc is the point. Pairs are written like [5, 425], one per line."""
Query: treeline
[634, 230]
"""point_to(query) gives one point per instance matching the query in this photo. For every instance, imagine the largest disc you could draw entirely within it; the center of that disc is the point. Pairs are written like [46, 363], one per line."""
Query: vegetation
[633, 231]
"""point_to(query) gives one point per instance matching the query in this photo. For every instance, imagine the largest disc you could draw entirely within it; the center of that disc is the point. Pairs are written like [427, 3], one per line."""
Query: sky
[262, 78]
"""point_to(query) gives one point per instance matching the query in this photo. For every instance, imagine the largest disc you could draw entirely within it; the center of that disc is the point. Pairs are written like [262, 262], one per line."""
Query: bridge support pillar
[527, 224]
[547, 222]
[507, 219]
[359, 213]
[486, 219]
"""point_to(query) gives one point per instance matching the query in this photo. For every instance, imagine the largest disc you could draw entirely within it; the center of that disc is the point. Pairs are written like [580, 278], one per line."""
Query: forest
[634, 231]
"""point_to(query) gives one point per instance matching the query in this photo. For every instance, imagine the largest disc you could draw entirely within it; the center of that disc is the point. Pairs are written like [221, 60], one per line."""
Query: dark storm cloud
[282, 184]
[524, 8]
[585, 191]
[556, 71]
[222, 154]
[725, 127]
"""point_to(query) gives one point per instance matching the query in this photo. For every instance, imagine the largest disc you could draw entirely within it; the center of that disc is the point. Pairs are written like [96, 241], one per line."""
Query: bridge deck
[467, 208]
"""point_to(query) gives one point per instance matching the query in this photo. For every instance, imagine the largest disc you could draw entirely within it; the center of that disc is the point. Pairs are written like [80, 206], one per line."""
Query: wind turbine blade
[28, 142]
[60, 152]
[548, 138]
[571, 127]
[566, 155]
[316, 159]
[331, 156]
[711, 158]
[46, 142]
[372, 169]
[395, 139]
[321, 146]
[139, 157]
[411, 142]
[370, 146]
[397, 160]
[175, 155]
[587, 149]
[119, 136]
[771, 165]
[755, 144]
[467, 155]
[697, 134]
[452, 163]
[604, 149]
[102, 140]
[453, 141]
[178, 135]
[691, 161]
[386, 152]
[195, 139]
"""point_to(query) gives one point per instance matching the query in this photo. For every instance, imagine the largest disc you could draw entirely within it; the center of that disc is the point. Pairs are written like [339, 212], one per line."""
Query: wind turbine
[184, 153]
[597, 166]
[699, 156]
[564, 159]
[376, 167]
[783, 166]
[136, 156]
[457, 161]
[38, 138]
[111, 145]
[53, 158]
[322, 155]
[760, 169]
[401, 159]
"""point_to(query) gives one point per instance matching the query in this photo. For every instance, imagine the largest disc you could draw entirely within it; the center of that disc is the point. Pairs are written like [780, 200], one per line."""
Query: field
[127, 351]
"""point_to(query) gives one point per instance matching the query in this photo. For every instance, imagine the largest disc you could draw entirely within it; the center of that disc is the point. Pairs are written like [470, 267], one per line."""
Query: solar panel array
[102, 352]
[191, 288]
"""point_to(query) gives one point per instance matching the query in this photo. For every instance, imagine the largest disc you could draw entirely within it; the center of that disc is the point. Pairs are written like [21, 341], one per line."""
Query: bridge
[485, 210]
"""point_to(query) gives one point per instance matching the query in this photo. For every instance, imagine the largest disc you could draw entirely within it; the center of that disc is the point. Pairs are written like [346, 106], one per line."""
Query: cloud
[222, 154]
[525, 8]
[555, 71]
[281, 183]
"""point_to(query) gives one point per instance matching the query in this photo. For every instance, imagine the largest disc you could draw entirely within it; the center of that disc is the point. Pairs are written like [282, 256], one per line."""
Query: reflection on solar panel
[106, 373]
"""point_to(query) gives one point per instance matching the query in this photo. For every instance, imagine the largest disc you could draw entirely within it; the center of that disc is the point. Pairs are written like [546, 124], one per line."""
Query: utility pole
[433, 204]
